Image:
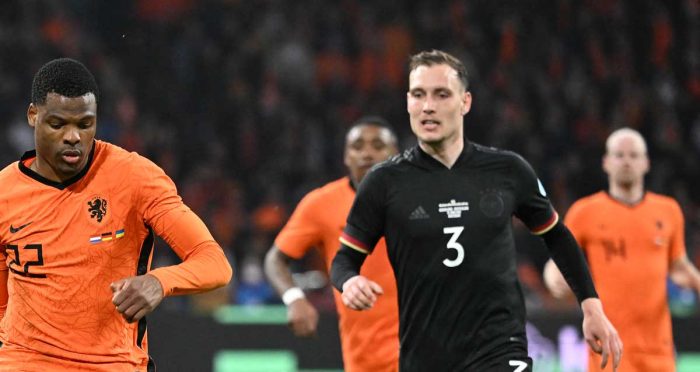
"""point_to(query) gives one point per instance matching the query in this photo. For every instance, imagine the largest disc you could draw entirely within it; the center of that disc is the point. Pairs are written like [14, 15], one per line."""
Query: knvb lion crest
[97, 207]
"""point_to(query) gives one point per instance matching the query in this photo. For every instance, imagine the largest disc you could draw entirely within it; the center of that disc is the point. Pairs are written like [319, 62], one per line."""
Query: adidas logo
[418, 214]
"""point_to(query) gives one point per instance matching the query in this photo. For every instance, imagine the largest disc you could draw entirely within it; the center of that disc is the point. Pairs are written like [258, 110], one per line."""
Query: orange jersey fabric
[629, 251]
[369, 339]
[62, 246]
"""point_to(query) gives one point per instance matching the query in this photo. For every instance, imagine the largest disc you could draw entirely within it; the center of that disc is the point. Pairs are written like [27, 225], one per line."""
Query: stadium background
[245, 104]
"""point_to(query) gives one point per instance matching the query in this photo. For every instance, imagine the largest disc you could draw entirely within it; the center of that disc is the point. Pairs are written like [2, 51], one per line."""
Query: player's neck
[631, 195]
[446, 152]
[44, 169]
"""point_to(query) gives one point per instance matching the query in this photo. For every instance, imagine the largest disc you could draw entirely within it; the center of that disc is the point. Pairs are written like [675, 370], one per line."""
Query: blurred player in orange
[369, 338]
[633, 240]
[77, 224]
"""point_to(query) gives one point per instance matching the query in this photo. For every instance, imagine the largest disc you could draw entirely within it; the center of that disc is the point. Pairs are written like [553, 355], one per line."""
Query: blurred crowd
[245, 103]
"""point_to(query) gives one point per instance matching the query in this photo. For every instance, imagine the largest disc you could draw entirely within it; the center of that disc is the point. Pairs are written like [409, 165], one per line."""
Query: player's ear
[346, 158]
[466, 102]
[647, 164]
[604, 163]
[32, 114]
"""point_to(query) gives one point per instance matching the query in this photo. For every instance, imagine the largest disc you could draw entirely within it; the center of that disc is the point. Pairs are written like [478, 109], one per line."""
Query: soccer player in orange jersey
[633, 240]
[369, 339]
[77, 223]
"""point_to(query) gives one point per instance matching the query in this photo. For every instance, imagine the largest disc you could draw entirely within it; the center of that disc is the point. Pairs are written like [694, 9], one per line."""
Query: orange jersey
[370, 339]
[629, 251]
[64, 243]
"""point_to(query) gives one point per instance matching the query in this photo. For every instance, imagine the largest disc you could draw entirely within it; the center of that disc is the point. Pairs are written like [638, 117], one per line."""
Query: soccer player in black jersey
[445, 209]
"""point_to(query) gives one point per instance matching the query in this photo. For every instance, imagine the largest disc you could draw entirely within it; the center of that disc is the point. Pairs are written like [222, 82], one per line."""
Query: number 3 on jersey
[453, 244]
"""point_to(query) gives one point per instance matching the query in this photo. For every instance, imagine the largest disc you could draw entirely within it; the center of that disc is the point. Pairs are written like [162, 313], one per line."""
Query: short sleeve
[532, 204]
[365, 224]
[302, 231]
[677, 249]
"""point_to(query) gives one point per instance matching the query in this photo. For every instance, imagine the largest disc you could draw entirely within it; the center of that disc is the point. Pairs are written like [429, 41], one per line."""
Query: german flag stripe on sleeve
[353, 243]
[541, 229]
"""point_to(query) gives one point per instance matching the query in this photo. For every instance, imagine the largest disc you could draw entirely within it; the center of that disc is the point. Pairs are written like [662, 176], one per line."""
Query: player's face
[365, 146]
[626, 161]
[437, 102]
[64, 129]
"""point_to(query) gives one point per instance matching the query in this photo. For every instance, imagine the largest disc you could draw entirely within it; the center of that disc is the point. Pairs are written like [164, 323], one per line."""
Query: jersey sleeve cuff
[353, 243]
[543, 228]
[167, 290]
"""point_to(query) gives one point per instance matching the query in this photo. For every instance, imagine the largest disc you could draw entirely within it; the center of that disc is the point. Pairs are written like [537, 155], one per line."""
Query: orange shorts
[19, 359]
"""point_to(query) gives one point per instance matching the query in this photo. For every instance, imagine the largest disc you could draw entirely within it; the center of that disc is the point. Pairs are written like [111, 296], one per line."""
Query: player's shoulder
[330, 191]
[397, 161]
[110, 153]
[10, 171]
[119, 159]
[490, 155]
[661, 200]
[595, 201]
[396, 164]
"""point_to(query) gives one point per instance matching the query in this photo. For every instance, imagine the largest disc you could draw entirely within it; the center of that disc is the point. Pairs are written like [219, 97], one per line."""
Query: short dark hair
[372, 120]
[377, 121]
[63, 76]
[438, 57]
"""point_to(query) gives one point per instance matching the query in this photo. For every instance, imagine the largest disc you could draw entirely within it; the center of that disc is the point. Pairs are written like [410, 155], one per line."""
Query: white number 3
[453, 244]
[519, 365]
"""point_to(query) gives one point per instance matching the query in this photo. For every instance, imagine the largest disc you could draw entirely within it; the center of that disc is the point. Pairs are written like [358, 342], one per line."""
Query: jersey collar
[423, 159]
[625, 204]
[59, 185]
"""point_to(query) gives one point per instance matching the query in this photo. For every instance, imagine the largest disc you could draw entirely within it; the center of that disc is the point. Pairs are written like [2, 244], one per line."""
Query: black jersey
[449, 238]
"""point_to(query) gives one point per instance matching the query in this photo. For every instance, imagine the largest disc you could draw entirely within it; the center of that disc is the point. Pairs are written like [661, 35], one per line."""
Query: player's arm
[302, 317]
[567, 266]
[204, 265]
[364, 228]
[554, 281]
[681, 271]
[535, 210]
[685, 274]
[358, 292]
[600, 334]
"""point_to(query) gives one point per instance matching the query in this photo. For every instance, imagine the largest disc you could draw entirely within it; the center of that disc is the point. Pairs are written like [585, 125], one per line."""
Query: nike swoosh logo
[15, 229]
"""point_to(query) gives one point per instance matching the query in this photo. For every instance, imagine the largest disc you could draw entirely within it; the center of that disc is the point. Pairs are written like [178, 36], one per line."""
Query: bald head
[625, 134]
[625, 159]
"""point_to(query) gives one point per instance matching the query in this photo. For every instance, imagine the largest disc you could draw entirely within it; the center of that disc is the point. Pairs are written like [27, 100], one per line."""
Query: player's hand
[136, 296]
[360, 293]
[600, 334]
[302, 318]
[555, 281]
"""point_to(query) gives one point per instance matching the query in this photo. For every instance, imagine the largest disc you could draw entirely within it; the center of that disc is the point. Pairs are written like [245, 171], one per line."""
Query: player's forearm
[277, 270]
[206, 268]
[570, 260]
[684, 274]
[346, 264]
